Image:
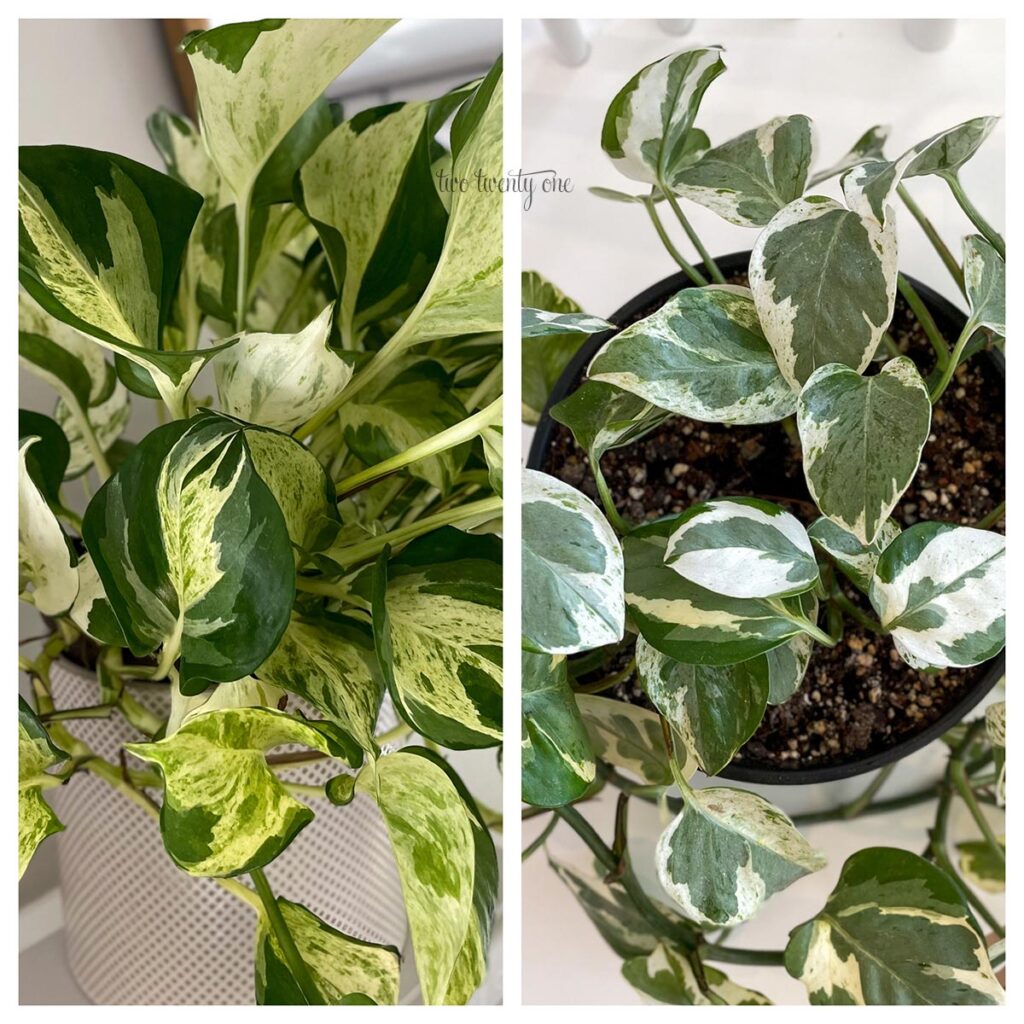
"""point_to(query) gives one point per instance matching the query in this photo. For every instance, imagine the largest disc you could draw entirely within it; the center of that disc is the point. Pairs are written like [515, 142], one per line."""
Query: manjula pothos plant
[726, 598]
[316, 516]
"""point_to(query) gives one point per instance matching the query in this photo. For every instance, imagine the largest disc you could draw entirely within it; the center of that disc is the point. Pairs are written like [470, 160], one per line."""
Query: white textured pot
[140, 931]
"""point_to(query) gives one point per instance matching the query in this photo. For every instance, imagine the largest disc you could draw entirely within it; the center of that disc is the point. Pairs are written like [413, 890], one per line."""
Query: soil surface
[859, 697]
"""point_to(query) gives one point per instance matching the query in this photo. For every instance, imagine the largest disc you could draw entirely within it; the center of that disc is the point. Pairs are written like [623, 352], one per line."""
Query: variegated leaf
[281, 380]
[646, 127]
[340, 965]
[742, 547]
[107, 419]
[701, 355]
[572, 570]
[854, 559]
[666, 976]
[47, 457]
[867, 148]
[981, 867]
[558, 764]
[91, 612]
[243, 693]
[36, 753]
[824, 283]
[491, 440]
[224, 811]
[539, 323]
[727, 852]
[748, 179]
[696, 626]
[330, 662]
[995, 729]
[947, 151]
[432, 837]
[787, 666]
[940, 590]
[895, 930]
[437, 626]
[47, 576]
[862, 439]
[256, 79]
[985, 281]
[193, 552]
[713, 710]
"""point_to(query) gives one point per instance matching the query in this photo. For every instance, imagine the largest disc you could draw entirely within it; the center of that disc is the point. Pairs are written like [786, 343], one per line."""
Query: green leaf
[437, 626]
[572, 570]
[36, 753]
[696, 626]
[787, 666]
[47, 577]
[714, 710]
[340, 965]
[981, 867]
[91, 611]
[824, 283]
[224, 811]
[256, 79]
[985, 281]
[432, 836]
[727, 852]
[646, 128]
[894, 931]
[855, 560]
[748, 179]
[940, 590]
[330, 662]
[742, 547]
[558, 765]
[701, 355]
[868, 147]
[48, 457]
[862, 439]
[243, 693]
[540, 323]
[193, 551]
[668, 977]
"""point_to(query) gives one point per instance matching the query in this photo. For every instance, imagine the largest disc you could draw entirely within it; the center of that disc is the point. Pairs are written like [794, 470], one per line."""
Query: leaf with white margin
[256, 79]
[726, 852]
[432, 838]
[330, 662]
[824, 283]
[713, 710]
[193, 551]
[540, 323]
[107, 419]
[940, 590]
[281, 380]
[558, 764]
[854, 559]
[868, 147]
[630, 738]
[340, 965]
[862, 439]
[688, 623]
[224, 811]
[36, 753]
[47, 577]
[995, 729]
[985, 281]
[667, 977]
[572, 570]
[748, 179]
[981, 867]
[787, 666]
[742, 547]
[646, 127]
[701, 355]
[242, 693]
[895, 930]
[91, 612]
[437, 626]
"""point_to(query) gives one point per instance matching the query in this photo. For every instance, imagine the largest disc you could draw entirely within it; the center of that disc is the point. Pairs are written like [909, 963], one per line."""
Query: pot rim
[951, 321]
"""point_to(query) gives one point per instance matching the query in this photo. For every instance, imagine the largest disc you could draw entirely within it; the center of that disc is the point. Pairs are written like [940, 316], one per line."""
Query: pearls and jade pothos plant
[315, 517]
[727, 598]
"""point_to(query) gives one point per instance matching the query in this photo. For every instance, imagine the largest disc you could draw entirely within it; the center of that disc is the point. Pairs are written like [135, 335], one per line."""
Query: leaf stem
[730, 955]
[987, 522]
[857, 614]
[925, 319]
[933, 236]
[242, 285]
[958, 776]
[691, 272]
[709, 264]
[607, 501]
[974, 215]
[482, 390]
[542, 838]
[954, 361]
[279, 927]
[609, 681]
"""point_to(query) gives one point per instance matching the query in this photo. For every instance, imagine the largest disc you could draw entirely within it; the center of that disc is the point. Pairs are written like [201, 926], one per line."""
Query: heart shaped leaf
[854, 559]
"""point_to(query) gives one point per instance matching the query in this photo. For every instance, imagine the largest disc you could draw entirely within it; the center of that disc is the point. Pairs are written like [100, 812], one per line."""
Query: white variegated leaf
[980, 866]
[727, 852]
[868, 147]
[787, 666]
[940, 590]
[985, 281]
[665, 976]
[91, 611]
[36, 753]
[855, 560]
[539, 323]
[242, 693]
[108, 419]
[572, 570]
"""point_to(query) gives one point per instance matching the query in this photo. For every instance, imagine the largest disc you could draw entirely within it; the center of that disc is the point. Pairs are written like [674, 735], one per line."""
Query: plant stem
[954, 361]
[987, 522]
[279, 928]
[242, 285]
[99, 458]
[857, 614]
[92, 711]
[609, 681]
[395, 733]
[483, 389]
[811, 628]
[463, 431]
[306, 278]
[974, 215]
[709, 264]
[728, 955]
[925, 319]
[542, 838]
[933, 236]
[691, 272]
[619, 525]
[961, 783]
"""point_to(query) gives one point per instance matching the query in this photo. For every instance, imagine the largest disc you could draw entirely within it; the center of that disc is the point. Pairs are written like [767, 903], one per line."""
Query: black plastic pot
[950, 321]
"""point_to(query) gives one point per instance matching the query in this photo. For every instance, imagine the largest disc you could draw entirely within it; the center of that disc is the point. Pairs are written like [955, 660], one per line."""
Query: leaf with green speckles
[854, 559]
[242, 693]
[666, 976]
[540, 323]
[91, 611]
[36, 753]
[981, 867]
[985, 281]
